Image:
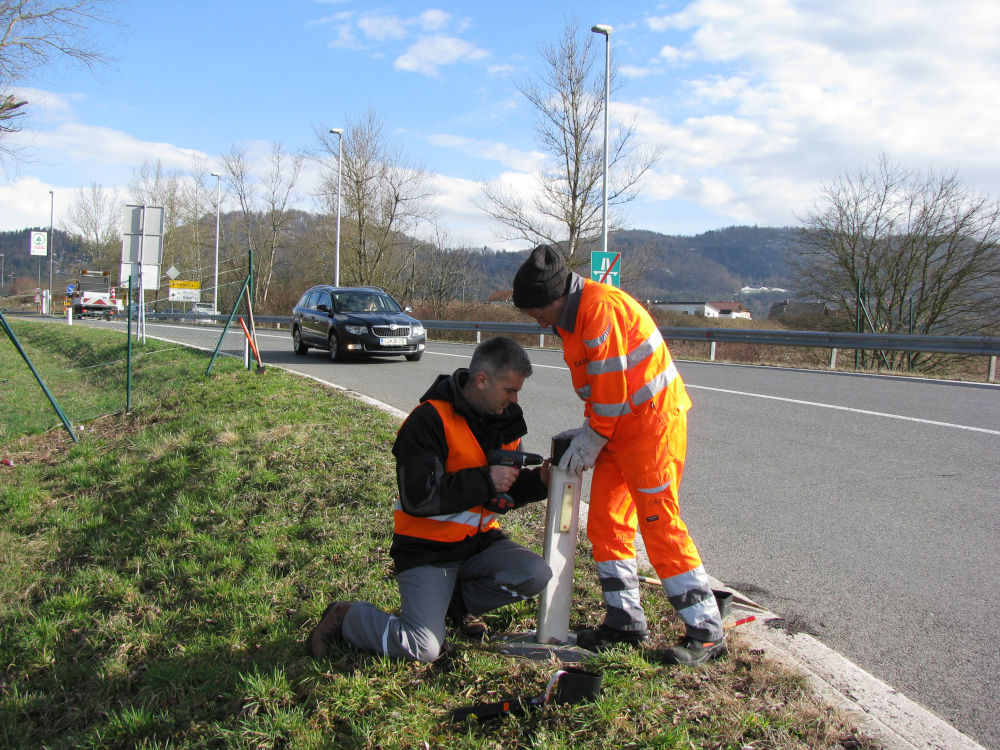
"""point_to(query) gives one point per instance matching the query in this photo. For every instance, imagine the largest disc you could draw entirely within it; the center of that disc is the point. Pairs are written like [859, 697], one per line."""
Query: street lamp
[218, 202]
[339, 132]
[606, 31]
[52, 203]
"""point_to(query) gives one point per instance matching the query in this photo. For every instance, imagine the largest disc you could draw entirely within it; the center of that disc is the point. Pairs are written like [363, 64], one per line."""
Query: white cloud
[510, 158]
[26, 202]
[428, 54]
[779, 96]
[380, 28]
[434, 20]
[111, 148]
[633, 71]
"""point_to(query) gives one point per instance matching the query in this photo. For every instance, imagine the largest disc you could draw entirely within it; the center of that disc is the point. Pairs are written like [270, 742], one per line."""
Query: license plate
[397, 341]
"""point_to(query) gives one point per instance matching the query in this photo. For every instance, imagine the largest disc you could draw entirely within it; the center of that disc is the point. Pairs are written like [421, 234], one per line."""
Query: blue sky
[755, 103]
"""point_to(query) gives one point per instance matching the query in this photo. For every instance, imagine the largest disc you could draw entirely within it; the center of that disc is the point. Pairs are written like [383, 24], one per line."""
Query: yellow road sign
[175, 284]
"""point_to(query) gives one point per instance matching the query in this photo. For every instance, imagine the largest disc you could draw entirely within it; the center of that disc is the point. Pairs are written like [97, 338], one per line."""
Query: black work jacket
[426, 489]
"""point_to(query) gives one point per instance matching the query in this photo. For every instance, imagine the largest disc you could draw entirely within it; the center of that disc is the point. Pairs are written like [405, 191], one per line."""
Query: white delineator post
[562, 520]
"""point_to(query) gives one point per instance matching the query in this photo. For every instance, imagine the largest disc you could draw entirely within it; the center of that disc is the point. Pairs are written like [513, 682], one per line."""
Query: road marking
[847, 408]
[798, 401]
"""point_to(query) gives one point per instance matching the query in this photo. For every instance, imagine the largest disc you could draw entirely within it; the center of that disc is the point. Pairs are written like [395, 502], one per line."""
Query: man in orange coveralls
[634, 435]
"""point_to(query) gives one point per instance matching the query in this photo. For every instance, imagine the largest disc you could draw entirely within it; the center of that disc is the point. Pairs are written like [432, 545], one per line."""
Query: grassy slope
[157, 581]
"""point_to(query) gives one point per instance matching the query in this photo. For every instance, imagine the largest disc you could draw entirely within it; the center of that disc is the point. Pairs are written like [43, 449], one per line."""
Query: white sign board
[150, 246]
[184, 295]
[39, 243]
[142, 240]
[150, 276]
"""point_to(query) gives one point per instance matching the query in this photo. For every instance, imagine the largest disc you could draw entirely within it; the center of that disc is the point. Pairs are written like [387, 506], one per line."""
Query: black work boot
[329, 631]
[604, 637]
[691, 651]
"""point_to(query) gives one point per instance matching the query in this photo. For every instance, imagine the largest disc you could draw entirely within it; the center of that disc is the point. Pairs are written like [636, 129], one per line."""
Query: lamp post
[606, 31]
[1, 273]
[339, 132]
[52, 249]
[215, 283]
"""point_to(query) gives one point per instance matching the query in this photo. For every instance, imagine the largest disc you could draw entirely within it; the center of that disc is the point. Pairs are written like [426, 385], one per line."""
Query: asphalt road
[863, 510]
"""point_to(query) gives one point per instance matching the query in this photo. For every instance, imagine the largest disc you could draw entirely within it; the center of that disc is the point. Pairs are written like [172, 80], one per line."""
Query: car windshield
[366, 302]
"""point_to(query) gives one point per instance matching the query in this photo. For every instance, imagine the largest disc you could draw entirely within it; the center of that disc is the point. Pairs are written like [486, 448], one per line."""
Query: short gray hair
[499, 355]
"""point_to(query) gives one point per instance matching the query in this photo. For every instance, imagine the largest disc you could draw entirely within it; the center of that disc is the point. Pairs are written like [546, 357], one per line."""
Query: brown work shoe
[473, 627]
[329, 630]
[469, 625]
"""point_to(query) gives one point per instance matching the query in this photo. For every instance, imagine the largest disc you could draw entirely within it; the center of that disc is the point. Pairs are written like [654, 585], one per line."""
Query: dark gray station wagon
[355, 320]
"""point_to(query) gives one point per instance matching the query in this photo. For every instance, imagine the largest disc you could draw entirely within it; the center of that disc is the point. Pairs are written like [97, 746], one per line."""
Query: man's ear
[482, 380]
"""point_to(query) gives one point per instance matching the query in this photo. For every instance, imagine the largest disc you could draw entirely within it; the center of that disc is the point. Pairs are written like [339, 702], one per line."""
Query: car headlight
[417, 330]
[356, 330]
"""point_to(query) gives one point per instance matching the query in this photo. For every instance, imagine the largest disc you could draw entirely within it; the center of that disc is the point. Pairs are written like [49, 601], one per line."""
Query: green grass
[158, 579]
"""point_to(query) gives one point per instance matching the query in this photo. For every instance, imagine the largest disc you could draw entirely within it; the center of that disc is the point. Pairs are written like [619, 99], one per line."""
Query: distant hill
[716, 266]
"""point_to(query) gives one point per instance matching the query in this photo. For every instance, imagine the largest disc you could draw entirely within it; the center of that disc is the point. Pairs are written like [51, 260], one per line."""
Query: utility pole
[52, 248]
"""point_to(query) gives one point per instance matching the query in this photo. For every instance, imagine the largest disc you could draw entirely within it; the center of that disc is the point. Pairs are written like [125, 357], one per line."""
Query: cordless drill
[516, 459]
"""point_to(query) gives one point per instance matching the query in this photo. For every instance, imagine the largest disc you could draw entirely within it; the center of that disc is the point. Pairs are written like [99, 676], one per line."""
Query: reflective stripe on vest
[464, 452]
[619, 378]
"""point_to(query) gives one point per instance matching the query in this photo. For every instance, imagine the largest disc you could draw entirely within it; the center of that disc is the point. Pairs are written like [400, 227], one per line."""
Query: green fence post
[27, 359]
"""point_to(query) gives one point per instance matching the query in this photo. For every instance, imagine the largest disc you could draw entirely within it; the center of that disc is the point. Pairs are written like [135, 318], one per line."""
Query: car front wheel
[334, 348]
[297, 344]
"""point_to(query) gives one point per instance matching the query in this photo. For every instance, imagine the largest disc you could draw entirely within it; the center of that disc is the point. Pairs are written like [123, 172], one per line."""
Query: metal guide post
[561, 524]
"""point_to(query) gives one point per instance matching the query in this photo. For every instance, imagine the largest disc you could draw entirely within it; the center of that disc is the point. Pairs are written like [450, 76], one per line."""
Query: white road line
[847, 408]
[795, 401]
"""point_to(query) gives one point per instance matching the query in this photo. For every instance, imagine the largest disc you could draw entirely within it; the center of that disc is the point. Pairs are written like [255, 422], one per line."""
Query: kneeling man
[452, 560]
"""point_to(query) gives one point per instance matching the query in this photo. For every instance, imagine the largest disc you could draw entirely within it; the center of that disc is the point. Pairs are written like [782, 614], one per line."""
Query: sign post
[605, 267]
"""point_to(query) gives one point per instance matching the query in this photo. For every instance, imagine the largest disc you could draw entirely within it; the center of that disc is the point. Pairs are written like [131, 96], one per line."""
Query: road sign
[39, 243]
[183, 295]
[606, 267]
[178, 284]
[69, 288]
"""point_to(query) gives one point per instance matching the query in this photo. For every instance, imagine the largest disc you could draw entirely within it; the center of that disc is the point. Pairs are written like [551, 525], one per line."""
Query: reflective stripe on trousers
[691, 595]
[620, 590]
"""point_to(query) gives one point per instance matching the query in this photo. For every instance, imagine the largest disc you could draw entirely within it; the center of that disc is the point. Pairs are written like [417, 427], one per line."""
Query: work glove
[583, 449]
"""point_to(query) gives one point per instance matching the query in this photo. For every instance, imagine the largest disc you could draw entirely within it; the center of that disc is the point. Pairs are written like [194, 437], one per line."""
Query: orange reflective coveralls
[635, 397]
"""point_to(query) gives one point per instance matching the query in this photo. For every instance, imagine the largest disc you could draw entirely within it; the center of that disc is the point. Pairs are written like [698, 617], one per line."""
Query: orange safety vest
[618, 360]
[464, 452]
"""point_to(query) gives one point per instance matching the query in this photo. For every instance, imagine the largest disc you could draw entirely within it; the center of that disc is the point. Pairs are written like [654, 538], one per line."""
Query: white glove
[583, 450]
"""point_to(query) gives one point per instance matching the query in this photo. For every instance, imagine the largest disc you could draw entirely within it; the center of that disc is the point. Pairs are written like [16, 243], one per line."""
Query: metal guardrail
[978, 345]
[985, 346]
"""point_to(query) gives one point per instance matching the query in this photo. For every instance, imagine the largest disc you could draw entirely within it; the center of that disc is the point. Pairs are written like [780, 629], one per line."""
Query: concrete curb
[878, 709]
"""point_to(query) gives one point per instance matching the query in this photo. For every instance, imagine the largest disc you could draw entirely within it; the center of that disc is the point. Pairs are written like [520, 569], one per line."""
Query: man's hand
[503, 477]
[583, 450]
[546, 471]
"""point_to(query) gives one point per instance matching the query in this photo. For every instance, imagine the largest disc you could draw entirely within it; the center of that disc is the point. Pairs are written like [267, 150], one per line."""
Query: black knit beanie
[541, 279]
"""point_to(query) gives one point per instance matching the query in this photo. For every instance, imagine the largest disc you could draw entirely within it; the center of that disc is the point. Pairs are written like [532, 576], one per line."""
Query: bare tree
[265, 206]
[94, 220]
[437, 271]
[34, 33]
[566, 209]
[384, 199]
[923, 249]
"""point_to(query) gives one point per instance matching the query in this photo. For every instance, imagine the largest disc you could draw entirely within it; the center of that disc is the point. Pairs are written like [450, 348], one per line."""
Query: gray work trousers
[503, 573]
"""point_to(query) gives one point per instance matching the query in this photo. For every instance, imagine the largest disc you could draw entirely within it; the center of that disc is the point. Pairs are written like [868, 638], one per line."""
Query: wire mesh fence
[54, 372]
